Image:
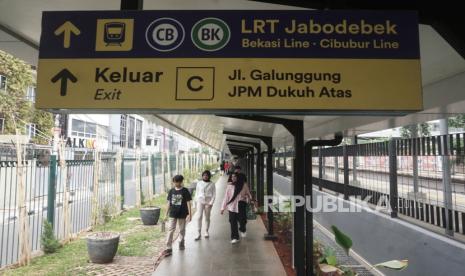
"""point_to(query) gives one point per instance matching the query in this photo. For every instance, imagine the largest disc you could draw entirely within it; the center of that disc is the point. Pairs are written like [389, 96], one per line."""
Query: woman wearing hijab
[236, 192]
[205, 193]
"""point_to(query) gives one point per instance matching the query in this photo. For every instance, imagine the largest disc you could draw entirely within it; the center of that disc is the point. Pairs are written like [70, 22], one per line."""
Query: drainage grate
[341, 256]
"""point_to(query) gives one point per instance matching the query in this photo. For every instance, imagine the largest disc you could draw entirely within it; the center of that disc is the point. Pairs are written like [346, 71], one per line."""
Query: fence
[422, 178]
[80, 196]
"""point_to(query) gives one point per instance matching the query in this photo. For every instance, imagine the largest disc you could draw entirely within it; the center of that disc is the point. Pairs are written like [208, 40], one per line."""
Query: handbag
[251, 212]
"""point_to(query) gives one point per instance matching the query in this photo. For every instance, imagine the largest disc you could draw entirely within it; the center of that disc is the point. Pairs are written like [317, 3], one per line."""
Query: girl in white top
[205, 194]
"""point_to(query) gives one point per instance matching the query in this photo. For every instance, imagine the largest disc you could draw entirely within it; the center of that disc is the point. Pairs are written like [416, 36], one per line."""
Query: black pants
[235, 218]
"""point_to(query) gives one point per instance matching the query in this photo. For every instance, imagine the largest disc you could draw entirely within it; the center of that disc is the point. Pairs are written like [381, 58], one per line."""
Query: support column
[269, 188]
[260, 186]
[354, 163]
[346, 172]
[51, 196]
[300, 218]
[393, 194]
[446, 179]
[122, 183]
[250, 179]
[308, 171]
[132, 4]
[320, 169]
[415, 160]
[163, 171]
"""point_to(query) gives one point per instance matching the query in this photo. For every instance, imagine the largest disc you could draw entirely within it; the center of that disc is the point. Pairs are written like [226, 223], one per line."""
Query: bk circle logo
[210, 34]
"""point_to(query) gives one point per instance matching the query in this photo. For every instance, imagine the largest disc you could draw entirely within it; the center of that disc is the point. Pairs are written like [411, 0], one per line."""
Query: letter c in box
[195, 83]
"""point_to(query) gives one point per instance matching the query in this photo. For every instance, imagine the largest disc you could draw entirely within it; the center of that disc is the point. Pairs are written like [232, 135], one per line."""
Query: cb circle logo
[165, 34]
[210, 34]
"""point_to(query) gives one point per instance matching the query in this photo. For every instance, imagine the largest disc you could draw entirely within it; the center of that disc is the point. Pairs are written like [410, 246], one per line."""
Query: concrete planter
[102, 247]
[150, 215]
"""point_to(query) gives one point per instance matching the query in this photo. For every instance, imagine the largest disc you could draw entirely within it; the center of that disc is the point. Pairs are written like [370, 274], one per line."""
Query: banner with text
[204, 61]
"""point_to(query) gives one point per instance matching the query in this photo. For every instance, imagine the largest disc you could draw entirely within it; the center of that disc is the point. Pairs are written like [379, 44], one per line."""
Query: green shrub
[142, 198]
[49, 243]
[207, 167]
[107, 211]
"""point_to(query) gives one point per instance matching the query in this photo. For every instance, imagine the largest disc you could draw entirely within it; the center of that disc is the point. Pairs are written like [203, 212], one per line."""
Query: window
[148, 142]
[78, 126]
[123, 130]
[131, 132]
[31, 130]
[3, 82]
[138, 133]
[103, 132]
[31, 94]
[2, 125]
[91, 128]
[84, 129]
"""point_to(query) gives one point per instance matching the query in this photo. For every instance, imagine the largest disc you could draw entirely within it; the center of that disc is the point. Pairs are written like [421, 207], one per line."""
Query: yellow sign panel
[230, 84]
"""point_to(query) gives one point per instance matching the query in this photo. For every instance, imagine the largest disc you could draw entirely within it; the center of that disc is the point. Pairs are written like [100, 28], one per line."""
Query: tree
[457, 121]
[14, 106]
[412, 131]
[49, 242]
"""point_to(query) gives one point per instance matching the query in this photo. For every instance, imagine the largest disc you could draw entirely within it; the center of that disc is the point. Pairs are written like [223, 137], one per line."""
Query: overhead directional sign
[204, 61]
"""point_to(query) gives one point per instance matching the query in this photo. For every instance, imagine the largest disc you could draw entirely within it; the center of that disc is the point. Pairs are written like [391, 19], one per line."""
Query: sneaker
[181, 246]
[207, 235]
[198, 237]
[167, 252]
[234, 241]
[243, 234]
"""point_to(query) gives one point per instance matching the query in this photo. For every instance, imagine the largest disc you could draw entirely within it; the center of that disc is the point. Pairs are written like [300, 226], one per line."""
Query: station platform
[252, 256]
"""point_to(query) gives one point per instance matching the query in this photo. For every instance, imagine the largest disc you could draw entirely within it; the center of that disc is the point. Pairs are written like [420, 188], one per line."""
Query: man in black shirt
[179, 211]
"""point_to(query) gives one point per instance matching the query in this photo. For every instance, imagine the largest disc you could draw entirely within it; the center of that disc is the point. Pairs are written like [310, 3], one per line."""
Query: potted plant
[102, 246]
[150, 215]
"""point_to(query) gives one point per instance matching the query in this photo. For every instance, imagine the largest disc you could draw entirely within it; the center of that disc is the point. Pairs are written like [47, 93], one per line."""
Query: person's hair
[178, 178]
[238, 185]
[207, 172]
[237, 167]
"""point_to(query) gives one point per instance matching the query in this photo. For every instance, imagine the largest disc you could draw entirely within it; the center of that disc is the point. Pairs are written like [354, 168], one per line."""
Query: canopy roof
[442, 67]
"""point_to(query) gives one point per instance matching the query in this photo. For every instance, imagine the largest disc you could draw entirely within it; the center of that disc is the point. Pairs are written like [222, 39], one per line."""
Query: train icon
[114, 33]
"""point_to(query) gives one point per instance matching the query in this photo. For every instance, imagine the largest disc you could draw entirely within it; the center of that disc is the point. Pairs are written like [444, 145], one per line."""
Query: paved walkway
[253, 256]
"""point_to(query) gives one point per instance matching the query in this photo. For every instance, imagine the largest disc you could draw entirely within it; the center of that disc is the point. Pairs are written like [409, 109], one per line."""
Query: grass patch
[74, 254]
[138, 243]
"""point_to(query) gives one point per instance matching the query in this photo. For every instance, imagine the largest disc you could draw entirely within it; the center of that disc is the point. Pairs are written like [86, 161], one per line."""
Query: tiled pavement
[253, 256]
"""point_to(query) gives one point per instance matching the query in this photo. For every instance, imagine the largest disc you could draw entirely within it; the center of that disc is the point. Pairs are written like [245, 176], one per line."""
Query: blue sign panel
[205, 61]
[232, 34]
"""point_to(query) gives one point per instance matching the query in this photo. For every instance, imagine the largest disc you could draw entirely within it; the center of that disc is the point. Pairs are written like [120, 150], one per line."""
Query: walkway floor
[253, 256]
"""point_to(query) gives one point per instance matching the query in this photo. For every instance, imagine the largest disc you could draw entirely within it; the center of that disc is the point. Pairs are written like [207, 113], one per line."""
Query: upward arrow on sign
[64, 75]
[66, 29]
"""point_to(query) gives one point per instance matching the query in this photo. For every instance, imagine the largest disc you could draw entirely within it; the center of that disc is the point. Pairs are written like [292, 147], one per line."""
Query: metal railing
[422, 178]
[75, 193]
